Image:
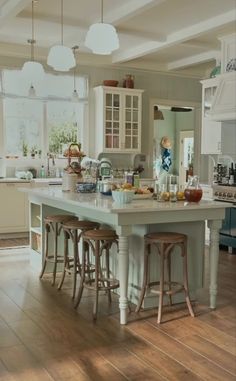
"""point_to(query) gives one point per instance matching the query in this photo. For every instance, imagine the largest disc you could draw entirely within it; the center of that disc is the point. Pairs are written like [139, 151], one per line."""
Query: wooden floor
[43, 338]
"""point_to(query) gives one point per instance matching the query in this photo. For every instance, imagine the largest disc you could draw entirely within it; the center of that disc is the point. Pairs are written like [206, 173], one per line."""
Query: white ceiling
[163, 35]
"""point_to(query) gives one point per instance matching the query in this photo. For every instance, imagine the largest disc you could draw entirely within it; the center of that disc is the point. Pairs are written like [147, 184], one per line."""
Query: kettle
[2, 167]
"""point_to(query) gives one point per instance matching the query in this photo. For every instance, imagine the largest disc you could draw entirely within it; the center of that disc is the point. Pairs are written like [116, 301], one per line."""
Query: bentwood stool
[53, 224]
[164, 243]
[73, 230]
[99, 241]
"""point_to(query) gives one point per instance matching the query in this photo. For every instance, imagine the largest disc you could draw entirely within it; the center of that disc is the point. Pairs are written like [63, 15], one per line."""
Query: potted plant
[33, 151]
[24, 149]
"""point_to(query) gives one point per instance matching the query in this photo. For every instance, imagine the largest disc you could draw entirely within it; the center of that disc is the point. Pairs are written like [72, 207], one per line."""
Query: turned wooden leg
[145, 276]
[108, 273]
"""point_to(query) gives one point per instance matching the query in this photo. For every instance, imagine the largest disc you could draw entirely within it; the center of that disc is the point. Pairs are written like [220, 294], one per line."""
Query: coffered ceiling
[175, 36]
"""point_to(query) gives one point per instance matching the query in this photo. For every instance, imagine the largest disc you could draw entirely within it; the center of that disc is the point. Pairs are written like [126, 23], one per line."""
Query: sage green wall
[184, 122]
[155, 85]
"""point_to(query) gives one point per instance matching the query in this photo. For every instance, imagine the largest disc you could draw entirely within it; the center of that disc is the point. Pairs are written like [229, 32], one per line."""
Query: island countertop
[145, 215]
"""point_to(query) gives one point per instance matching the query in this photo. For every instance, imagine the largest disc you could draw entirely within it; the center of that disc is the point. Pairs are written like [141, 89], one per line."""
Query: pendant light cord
[101, 11]
[62, 41]
[32, 32]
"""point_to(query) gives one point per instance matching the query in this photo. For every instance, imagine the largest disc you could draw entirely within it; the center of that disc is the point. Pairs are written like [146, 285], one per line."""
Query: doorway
[194, 125]
[186, 154]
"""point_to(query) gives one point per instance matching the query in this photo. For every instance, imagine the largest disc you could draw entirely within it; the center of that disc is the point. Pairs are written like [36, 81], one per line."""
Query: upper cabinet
[118, 113]
[211, 130]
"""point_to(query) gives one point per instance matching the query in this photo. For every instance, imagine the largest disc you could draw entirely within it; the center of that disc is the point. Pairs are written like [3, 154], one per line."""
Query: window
[44, 123]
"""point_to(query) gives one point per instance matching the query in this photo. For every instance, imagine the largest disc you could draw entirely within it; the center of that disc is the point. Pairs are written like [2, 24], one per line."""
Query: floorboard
[43, 338]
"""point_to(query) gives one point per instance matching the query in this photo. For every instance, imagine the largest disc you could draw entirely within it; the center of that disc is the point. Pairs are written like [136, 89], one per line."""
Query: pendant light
[32, 70]
[61, 57]
[75, 95]
[102, 38]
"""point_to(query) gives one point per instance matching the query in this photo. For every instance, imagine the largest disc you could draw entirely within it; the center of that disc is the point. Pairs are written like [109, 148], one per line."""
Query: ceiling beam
[11, 8]
[129, 10]
[175, 38]
[194, 60]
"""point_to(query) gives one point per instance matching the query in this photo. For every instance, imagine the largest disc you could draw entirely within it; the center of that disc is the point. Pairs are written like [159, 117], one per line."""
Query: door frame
[183, 134]
[197, 123]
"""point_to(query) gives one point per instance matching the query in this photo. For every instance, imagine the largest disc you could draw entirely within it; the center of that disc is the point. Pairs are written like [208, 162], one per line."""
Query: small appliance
[105, 168]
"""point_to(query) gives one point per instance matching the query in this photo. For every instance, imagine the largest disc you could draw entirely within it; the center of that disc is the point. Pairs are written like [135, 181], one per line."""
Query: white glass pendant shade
[33, 71]
[102, 38]
[61, 58]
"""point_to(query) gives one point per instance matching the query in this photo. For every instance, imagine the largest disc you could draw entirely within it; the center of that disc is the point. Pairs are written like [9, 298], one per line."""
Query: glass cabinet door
[131, 119]
[112, 120]
[209, 93]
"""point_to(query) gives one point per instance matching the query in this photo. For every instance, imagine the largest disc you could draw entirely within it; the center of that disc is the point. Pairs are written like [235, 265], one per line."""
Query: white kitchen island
[133, 220]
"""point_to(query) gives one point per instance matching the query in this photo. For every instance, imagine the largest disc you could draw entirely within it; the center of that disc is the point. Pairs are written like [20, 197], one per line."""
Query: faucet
[50, 156]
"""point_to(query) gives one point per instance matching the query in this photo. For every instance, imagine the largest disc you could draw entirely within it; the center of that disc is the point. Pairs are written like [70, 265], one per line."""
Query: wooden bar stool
[99, 241]
[164, 244]
[53, 224]
[73, 230]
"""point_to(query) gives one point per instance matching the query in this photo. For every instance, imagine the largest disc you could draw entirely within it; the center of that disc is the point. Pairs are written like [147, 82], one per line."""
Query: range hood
[224, 102]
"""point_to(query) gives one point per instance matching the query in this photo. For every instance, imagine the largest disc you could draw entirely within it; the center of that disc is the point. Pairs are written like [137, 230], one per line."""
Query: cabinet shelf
[36, 229]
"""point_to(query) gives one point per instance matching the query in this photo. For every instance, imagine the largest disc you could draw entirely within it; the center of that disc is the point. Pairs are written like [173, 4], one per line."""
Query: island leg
[214, 226]
[123, 273]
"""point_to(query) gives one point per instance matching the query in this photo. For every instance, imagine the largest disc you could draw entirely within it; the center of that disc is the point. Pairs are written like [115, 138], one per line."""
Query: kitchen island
[133, 220]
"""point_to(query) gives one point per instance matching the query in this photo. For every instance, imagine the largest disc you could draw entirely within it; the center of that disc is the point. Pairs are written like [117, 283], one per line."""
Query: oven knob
[229, 195]
[216, 193]
[220, 194]
[224, 194]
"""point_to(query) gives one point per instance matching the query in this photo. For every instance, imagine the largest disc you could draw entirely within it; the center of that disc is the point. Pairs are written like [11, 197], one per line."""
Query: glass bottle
[193, 191]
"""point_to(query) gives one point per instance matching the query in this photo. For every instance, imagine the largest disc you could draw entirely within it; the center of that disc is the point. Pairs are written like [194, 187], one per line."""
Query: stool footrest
[166, 292]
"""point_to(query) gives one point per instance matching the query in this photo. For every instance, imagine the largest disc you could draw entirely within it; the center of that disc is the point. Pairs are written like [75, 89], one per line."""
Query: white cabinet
[14, 210]
[118, 113]
[211, 130]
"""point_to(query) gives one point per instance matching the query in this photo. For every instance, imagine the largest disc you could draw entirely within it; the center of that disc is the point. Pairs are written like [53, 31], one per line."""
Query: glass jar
[193, 191]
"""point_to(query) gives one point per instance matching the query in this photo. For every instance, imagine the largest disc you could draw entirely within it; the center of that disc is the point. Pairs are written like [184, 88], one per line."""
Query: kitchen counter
[138, 218]
[38, 180]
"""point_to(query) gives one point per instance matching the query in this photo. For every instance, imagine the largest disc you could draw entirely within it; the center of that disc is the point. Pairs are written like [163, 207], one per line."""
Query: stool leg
[82, 279]
[76, 264]
[66, 239]
[55, 254]
[47, 230]
[145, 276]
[108, 273]
[97, 266]
[168, 259]
[161, 284]
[185, 276]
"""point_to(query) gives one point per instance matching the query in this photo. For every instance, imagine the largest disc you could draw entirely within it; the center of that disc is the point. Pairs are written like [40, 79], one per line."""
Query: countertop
[37, 180]
[105, 204]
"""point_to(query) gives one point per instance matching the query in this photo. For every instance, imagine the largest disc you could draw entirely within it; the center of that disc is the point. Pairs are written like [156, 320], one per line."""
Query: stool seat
[60, 218]
[101, 234]
[81, 225]
[99, 241]
[169, 237]
[164, 243]
[73, 230]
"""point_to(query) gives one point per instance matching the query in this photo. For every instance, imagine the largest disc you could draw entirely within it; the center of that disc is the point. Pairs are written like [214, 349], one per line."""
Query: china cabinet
[118, 113]
[211, 130]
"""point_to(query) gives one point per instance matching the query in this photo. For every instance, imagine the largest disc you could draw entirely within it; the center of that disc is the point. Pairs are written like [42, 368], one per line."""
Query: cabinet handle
[10, 184]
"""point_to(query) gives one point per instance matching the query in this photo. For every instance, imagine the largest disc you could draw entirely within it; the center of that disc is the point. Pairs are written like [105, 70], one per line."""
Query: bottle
[231, 174]
[42, 172]
[235, 173]
[136, 180]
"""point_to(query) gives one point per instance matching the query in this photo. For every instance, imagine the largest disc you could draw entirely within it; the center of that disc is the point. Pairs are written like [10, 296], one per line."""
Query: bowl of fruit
[123, 194]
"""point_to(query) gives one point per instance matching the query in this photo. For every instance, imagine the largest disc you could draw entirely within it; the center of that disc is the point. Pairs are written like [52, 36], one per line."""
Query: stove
[224, 192]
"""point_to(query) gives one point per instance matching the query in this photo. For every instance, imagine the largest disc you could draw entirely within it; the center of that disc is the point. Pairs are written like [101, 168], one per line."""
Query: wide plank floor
[42, 337]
